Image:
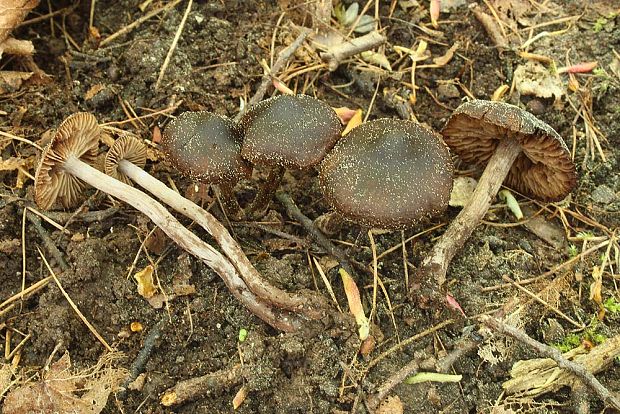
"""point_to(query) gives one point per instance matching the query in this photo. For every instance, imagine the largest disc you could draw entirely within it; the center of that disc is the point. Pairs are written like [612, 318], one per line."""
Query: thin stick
[548, 352]
[74, 306]
[19, 346]
[544, 303]
[549, 272]
[173, 46]
[337, 54]
[137, 366]
[408, 341]
[138, 22]
[26, 292]
[283, 57]
[295, 213]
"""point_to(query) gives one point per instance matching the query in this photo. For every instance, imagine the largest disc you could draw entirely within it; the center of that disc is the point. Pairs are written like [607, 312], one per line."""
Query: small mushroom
[77, 139]
[518, 149]
[121, 161]
[63, 161]
[388, 173]
[207, 147]
[288, 131]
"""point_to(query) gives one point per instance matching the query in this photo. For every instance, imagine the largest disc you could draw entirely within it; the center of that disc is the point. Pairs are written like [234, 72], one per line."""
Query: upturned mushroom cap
[206, 147]
[292, 131]
[388, 174]
[78, 136]
[544, 170]
[127, 148]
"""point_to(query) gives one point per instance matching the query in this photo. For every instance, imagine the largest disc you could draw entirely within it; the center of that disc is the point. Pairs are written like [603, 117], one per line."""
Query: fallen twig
[295, 213]
[137, 366]
[283, 58]
[548, 352]
[194, 388]
[334, 56]
[442, 366]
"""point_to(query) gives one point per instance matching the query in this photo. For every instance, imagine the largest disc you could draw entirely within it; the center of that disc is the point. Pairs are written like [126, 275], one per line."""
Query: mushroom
[388, 173]
[121, 161]
[62, 171]
[288, 131]
[518, 149]
[207, 147]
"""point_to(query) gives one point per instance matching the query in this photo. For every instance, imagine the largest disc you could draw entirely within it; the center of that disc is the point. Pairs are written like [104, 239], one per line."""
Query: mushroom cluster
[384, 173]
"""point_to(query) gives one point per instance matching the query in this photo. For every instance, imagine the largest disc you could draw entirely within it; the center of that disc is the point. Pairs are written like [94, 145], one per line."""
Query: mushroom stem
[229, 245]
[436, 264]
[266, 192]
[183, 237]
[226, 195]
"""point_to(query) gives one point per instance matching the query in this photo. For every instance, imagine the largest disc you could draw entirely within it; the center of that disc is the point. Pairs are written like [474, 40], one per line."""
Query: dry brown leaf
[11, 163]
[11, 81]
[533, 78]
[391, 405]
[447, 57]
[146, 287]
[64, 391]
[94, 90]
[9, 246]
[12, 13]
[240, 397]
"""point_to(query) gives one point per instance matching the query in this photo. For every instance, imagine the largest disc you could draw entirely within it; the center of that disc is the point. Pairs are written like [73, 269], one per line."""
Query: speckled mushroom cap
[388, 173]
[78, 136]
[544, 170]
[292, 131]
[206, 147]
[127, 148]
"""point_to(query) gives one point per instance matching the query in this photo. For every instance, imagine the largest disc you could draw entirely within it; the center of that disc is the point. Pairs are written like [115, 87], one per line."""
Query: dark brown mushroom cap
[292, 131]
[206, 147]
[78, 136]
[544, 170]
[388, 173]
[127, 148]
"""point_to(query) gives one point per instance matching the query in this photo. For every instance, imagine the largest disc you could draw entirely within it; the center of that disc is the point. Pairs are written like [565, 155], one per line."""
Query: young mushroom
[518, 149]
[125, 160]
[288, 131]
[207, 147]
[388, 174]
[63, 162]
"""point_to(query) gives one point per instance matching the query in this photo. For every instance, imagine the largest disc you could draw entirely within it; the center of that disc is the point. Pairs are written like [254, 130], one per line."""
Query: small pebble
[536, 107]
[603, 195]
[447, 91]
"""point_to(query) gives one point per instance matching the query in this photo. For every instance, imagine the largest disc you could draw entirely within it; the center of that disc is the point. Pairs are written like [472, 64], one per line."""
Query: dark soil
[216, 62]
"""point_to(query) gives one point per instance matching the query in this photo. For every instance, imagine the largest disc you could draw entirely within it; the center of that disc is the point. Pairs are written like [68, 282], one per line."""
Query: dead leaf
[548, 231]
[462, 189]
[355, 120]
[12, 13]
[146, 287]
[447, 57]
[534, 79]
[63, 391]
[376, 58]
[11, 81]
[94, 90]
[9, 246]
[11, 163]
[240, 397]
[391, 405]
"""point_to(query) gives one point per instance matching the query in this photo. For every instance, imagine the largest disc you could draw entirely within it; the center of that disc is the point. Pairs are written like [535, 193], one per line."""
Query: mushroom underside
[543, 170]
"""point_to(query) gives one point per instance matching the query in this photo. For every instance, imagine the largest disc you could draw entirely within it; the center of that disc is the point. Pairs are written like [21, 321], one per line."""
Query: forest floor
[570, 247]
